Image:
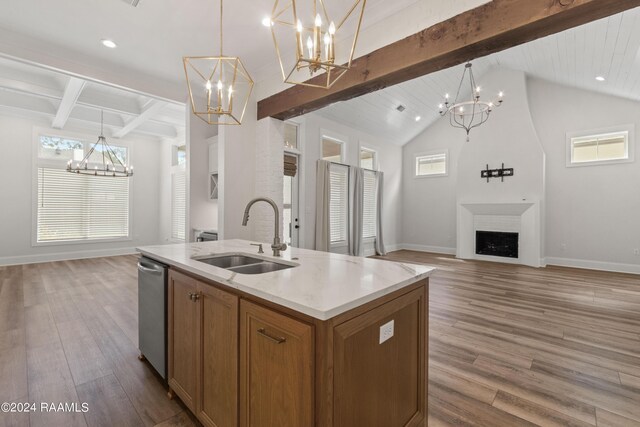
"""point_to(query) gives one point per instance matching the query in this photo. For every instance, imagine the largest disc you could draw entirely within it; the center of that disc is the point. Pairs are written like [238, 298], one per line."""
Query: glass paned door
[290, 212]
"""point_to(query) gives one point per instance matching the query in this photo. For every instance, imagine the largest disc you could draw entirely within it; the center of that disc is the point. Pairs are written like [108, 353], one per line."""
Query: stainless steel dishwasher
[152, 313]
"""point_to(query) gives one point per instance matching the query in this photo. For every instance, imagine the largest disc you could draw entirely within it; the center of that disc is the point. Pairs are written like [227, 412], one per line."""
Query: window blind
[81, 207]
[600, 148]
[178, 205]
[338, 203]
[369, 205]
[433, 164]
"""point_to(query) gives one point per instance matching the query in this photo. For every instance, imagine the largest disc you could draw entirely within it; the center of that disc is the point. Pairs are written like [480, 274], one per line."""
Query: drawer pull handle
[277, 340]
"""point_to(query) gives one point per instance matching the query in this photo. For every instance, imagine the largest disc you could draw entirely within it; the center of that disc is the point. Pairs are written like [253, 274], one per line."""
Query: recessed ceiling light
[418, 118]
[109, 43]
[266, 21]
[600, 78]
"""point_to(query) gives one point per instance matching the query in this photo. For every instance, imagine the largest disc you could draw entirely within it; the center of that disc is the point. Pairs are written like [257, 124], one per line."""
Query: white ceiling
[153, 37]
[33, 91]
[609, 48]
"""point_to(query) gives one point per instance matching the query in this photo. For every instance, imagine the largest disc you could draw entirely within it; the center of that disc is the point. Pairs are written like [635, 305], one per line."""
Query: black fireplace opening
[497, 243]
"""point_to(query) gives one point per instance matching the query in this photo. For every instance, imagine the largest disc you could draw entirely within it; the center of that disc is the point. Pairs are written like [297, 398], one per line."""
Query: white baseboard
[64, 256]
[594, 265]
[425, 248]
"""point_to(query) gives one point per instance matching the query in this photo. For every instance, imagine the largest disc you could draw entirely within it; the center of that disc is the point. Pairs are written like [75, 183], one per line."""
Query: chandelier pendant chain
[468, 114]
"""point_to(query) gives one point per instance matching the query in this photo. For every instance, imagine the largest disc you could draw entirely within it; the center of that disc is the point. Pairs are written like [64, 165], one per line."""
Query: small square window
[434, 163]
[368, 159]
[600, 148]
[332, 150]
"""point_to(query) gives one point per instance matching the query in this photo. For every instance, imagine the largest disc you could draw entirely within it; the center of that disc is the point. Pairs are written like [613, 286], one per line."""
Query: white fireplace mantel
[521, 216]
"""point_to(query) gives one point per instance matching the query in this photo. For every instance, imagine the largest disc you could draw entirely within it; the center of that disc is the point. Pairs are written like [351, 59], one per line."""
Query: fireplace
[497, 243]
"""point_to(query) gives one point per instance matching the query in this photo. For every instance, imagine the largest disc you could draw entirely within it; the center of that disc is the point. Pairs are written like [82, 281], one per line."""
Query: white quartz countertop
[322, 285]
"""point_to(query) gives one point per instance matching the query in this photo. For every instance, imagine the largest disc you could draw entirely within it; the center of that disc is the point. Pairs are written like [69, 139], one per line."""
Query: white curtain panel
[356, 209]
[379, 241]
[323, 196]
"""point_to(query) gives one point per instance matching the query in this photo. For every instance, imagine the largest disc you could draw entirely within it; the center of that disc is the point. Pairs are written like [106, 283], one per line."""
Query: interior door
[291, 208]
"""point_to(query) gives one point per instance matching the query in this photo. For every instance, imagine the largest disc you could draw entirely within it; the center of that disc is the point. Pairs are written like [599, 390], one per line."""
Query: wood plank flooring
[512, 345]
[68, 333]
[509, 345]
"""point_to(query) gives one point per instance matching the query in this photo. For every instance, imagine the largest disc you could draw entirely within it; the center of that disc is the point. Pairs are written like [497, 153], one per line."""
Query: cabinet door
[182, 324]
[217, 404]
[382, 384]
[276, 369]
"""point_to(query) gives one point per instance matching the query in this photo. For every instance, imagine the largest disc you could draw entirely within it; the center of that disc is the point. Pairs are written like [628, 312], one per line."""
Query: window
[369, 205]
[178, 204]
[338, 204]
[76, 207]
[290, 135]
[432, 164]
[332, 150]
[598, 148]
[368, 159]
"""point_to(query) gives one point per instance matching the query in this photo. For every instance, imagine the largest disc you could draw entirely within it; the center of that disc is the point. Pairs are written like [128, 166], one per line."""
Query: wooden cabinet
[236, 361]
[182, 339]
[276, 369]
[382, 383]
[203, 349]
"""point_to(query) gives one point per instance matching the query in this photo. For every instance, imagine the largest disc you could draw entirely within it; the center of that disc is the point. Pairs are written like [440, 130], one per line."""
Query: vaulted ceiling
[609, 48]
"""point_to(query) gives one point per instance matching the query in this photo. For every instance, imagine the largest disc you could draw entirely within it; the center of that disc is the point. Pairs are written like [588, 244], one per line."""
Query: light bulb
[327, 39]
[310, 44]
[220, 85]
[332, 28]
[491, 104]
[441, 106]
[267, 22]
[208, 85]
[318, 20]
[501, 94]
[446, 96]
[461, 109]
[418, 118]
[299, 26]
[478, 89]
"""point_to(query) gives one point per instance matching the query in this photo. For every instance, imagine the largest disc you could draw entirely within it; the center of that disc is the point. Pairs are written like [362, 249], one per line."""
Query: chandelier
[472, 113]
[219, 86]
[101, 160]
[315, 33]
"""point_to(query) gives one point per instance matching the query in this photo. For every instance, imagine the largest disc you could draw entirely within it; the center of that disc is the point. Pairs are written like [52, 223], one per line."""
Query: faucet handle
[259, 245]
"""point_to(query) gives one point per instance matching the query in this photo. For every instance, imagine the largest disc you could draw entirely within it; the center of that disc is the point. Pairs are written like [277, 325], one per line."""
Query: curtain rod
[348, 166]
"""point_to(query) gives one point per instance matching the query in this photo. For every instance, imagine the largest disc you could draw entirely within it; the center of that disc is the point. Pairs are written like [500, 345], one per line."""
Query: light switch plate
[386, 331]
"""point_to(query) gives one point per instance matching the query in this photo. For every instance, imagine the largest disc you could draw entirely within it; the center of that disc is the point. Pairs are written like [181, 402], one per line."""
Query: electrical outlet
[636, 251]
[386, 331]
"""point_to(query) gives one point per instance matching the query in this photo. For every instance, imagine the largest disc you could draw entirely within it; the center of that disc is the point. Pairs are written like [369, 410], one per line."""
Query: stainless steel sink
[229, 261]
[243, 264]
[263, 267]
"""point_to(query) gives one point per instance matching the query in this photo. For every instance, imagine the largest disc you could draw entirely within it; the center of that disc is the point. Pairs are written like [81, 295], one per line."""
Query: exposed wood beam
[71, 94]
[152, 108]
[487, 29]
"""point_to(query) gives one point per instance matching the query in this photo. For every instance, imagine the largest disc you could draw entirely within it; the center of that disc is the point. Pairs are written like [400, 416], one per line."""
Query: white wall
[16, 177]
[389, 161]
[591, 211]
[589, 214]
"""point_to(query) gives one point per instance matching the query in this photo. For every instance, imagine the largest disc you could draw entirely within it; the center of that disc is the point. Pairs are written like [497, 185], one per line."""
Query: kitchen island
[326, 340]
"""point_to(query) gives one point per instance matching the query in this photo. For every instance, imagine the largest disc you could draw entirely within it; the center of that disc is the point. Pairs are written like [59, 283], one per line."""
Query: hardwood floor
[512, 345]
[69, 333]
[509, 345]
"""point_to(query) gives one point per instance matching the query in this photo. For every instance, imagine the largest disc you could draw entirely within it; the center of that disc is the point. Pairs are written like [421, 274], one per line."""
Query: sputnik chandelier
[219, 86]
[316, 39]
[472, 113]
[101, 160]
